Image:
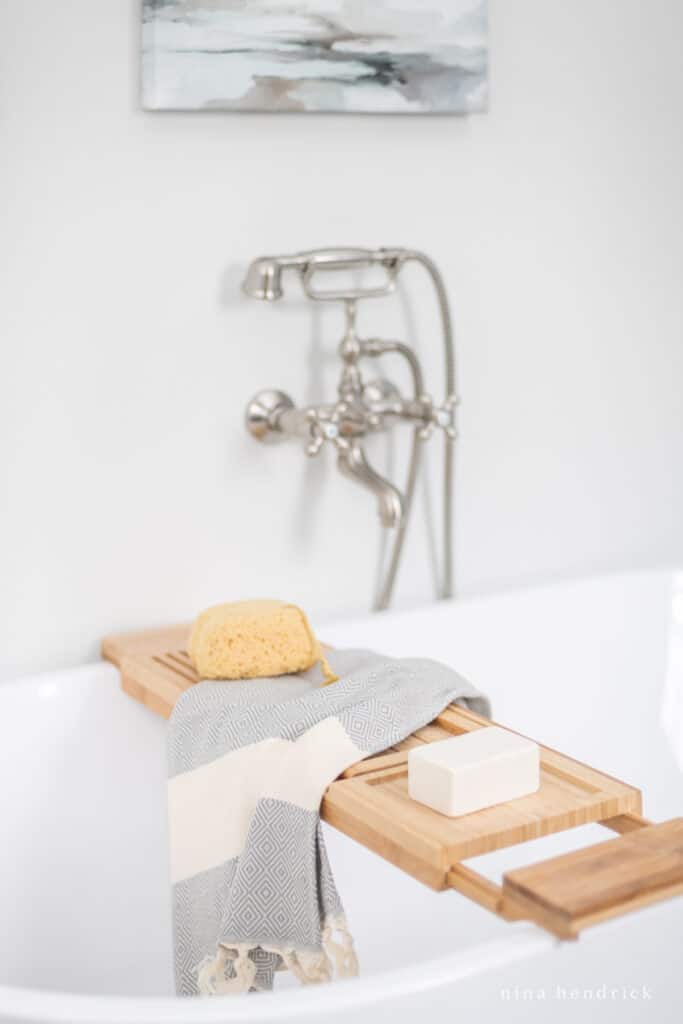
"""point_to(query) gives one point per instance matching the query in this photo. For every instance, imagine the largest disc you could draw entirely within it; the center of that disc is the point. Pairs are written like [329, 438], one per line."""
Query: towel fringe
[337, 957]
[342, 950]
[307, 968]
[212, 977]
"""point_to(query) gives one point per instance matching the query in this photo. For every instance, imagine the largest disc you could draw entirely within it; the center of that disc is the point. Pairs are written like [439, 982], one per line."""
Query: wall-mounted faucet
[362, 407]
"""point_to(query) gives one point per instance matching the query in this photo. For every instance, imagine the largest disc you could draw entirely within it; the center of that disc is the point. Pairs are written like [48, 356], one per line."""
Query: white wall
[131, 494]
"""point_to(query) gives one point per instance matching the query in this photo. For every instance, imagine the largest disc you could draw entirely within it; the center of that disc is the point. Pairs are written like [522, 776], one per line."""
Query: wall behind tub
[131, 494]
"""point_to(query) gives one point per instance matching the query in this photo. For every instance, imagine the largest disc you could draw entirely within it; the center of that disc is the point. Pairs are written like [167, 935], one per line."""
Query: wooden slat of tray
[154, 664]
[146, 641]
[568, 893]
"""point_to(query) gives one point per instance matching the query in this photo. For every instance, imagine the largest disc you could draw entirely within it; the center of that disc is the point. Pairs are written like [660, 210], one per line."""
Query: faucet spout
[353, 464]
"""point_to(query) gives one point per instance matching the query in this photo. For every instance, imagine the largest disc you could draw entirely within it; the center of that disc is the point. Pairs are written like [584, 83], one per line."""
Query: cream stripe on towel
[298, 772]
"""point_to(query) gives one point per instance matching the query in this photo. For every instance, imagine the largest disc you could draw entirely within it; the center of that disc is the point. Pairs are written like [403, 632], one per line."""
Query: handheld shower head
[264, 279]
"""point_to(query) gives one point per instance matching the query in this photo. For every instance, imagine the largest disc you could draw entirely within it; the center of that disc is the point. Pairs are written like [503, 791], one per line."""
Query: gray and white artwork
[375, 56]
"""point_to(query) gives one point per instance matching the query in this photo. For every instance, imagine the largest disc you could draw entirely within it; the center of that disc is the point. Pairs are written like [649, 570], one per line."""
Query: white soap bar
[478, 769]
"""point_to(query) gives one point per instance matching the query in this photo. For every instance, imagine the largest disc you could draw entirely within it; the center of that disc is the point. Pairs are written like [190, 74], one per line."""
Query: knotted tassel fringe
[310, 968]
[342, 950]
[211, 972]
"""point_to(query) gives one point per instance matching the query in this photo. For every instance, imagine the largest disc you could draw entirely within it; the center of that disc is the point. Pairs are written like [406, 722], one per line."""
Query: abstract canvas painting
[374, 56]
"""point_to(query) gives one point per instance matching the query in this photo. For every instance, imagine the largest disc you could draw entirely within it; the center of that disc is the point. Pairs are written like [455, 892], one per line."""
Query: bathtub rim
[522, 941]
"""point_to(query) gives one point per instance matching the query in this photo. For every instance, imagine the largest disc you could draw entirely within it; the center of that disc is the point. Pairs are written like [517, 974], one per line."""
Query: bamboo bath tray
[369, 802]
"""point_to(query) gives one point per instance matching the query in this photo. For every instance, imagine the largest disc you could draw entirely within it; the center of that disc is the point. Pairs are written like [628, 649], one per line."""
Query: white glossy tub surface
[592, 667]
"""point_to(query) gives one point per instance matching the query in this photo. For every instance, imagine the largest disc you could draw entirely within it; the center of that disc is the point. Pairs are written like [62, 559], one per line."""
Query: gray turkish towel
[249, 764]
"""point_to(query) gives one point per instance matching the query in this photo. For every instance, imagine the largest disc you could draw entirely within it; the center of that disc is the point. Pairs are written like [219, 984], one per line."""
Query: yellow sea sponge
[245, 639]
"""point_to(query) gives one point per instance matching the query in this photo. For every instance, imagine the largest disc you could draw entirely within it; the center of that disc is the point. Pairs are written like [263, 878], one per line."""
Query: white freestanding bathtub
[594, 668]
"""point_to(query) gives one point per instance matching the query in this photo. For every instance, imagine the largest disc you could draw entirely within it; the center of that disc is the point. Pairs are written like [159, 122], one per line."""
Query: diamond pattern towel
[249, 764]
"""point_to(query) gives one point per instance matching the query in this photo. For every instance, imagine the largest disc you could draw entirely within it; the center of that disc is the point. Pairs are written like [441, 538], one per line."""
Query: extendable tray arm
[569, 893]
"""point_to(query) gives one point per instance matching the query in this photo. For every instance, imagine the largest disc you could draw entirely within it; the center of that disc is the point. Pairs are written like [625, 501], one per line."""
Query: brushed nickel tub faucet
[363, 407]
